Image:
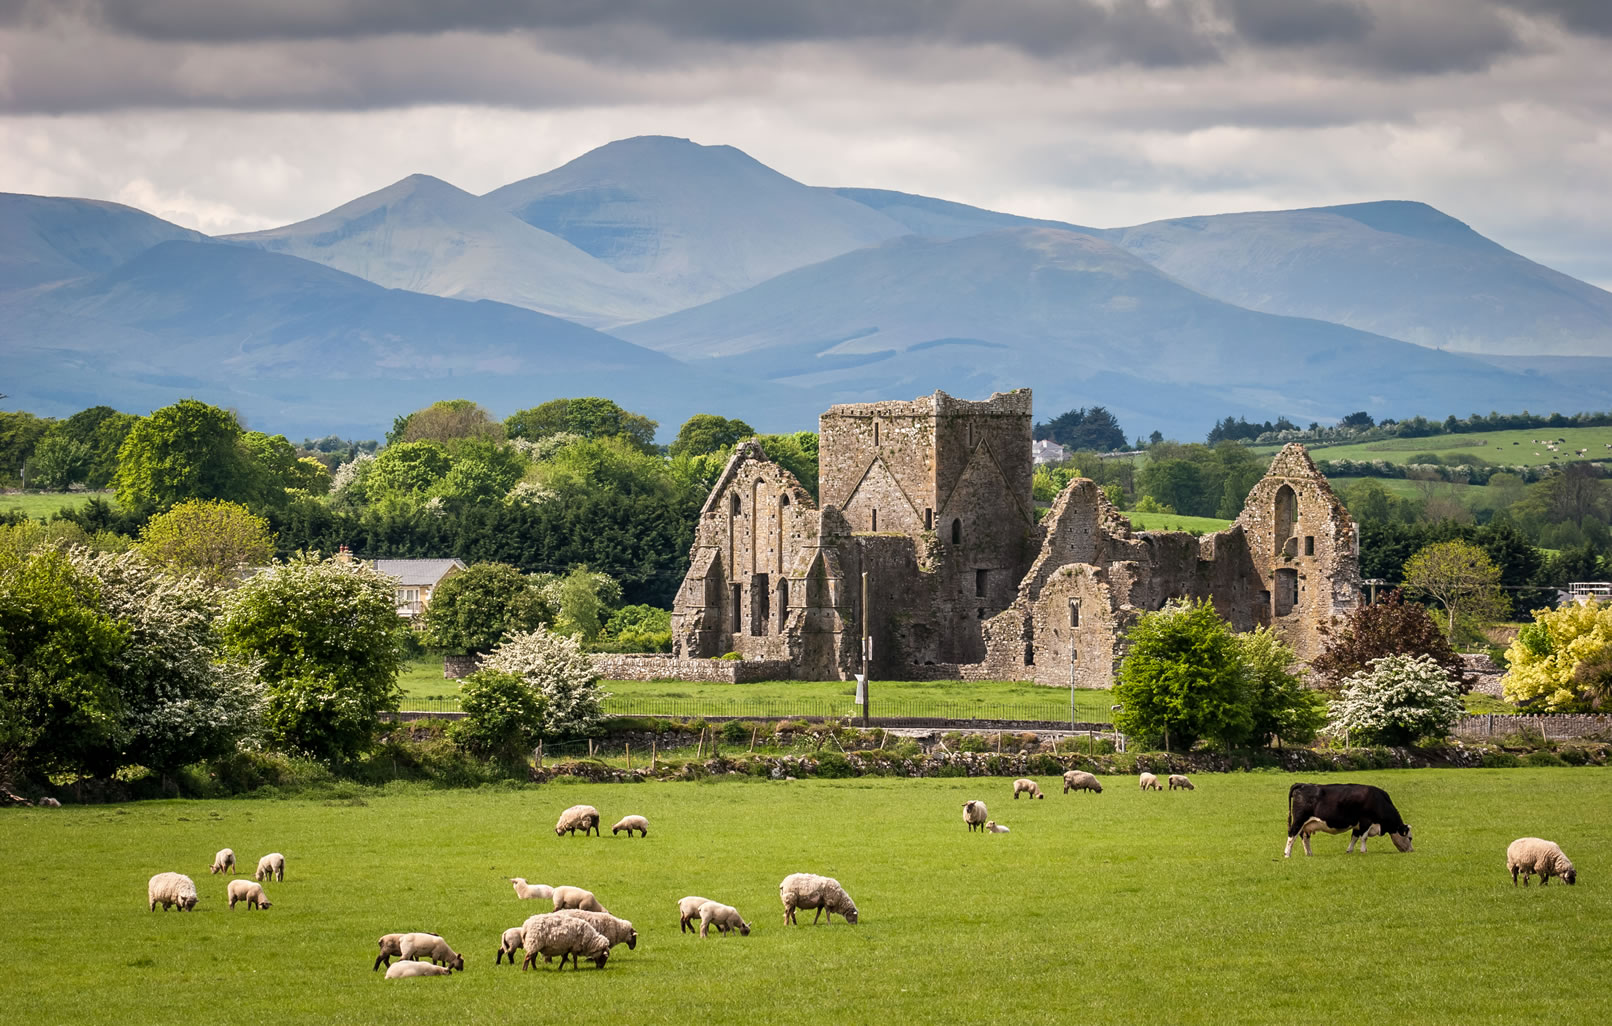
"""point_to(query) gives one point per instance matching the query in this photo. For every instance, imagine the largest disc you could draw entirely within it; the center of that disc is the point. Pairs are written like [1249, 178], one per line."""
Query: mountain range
[678, 278]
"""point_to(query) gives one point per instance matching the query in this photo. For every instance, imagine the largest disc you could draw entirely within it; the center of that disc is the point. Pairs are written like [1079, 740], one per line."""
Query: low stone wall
[664, 666]
[1486, 675]
[457, 667]
[1554, 725]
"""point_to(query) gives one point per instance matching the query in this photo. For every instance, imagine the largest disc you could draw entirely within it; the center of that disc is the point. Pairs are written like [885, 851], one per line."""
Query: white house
[417, 579]
[1047, 451]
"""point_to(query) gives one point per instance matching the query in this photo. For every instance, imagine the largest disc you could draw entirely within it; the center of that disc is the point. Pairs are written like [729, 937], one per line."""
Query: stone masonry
[930, 503]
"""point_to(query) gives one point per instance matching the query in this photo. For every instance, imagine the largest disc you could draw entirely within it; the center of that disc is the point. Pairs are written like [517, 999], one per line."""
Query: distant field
[1508, 447]
[1175, 522]
[43, 504]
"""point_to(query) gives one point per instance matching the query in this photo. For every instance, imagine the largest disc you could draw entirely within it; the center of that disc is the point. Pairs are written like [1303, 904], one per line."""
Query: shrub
[731, 657]
[555, 667]
[834, 766]
[1398, 701]
[736, 731]
[1183, 679]
[503, 716]
[1563, 660]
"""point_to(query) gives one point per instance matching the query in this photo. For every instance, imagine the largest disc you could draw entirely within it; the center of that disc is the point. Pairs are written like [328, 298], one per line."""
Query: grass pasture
[1505, 447]
[1115, 908]
[1175, 522]
[43, 504]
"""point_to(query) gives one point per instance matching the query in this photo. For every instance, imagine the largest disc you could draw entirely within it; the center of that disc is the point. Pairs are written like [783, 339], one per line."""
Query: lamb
[512, 941]
[1149, 782]
[1024, 785]
[996, 828]
[578, 817]
[171, 889]
[428, 945]
[525, 890]
[1080, 780]
[391, 945]
[224, 861]
[824, 893]
[688, 909]
[272, 864]
[974, 814]
[616, 931]
[407, 969]
[249, 891]
[1530, 855]
[551, 934]
[576, 897]
[726, 918]
[1179, 781]
[631, 823]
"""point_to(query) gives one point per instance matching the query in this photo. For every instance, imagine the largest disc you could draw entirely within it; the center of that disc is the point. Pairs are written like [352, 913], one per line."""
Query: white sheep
[1080, 780]
[824, 893]
[416, 946]
[616, 931]
[171, 889]
[996, 828]
[974, 814]
[550, 934]
[1181, 782]
[272, 864]
[224, 861]
[525, 890]
[408, 969]
[726, 918]
[512, 941]
[249, 891]
[1149, 782]
[48, 802]
[1024, 785]
[631, 823]
[576, 897]
[689, 909]
[1530, 855]
[578, 817]
[391, 947]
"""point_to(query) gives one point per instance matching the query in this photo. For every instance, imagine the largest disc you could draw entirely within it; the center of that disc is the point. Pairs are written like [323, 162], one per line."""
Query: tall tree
[1563, 660]
[452, 420]
[185, 451]
[1095, 429]
[1183, 678]
[590, 416]
[19, 433]
[475, 609]
[1460, 577]
[707, 432]
[213, 540]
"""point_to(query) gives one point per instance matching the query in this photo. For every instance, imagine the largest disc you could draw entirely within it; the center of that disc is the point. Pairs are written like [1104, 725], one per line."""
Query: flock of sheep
[176, 890]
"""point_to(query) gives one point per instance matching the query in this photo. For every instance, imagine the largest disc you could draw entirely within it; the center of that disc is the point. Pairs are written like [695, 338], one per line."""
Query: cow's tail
[1291, 792]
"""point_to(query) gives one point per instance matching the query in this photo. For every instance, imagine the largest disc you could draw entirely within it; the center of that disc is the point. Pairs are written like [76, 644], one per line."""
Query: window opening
[957, 532]
[737, 595]
[979, 583]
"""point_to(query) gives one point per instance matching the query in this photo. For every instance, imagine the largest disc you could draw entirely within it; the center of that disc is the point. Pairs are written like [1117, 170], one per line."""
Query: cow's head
[1402, 841]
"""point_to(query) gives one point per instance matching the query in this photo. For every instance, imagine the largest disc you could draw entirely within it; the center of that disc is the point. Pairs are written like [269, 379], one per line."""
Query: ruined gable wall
[852, 437]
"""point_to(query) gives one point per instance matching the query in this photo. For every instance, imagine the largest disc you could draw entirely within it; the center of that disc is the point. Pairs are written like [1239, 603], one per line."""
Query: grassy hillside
[1523, 446]
[43, 504]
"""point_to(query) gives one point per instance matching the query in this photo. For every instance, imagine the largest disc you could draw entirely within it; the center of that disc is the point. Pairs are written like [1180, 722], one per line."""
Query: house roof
[418, 572]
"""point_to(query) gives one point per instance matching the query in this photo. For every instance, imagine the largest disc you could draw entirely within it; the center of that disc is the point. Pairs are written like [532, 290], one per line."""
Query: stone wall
[663, 666]
[1554, 725]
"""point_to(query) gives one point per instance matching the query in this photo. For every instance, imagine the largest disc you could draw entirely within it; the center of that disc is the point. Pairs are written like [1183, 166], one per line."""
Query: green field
[1175, 522]
[1122, 907]
[1506, 447]
[43, 504]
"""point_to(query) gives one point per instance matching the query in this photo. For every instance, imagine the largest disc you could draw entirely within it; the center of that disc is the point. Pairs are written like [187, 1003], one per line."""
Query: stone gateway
[931, 500]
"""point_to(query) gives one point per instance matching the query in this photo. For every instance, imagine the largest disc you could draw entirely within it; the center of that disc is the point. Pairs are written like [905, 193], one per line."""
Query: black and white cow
[1363, 810]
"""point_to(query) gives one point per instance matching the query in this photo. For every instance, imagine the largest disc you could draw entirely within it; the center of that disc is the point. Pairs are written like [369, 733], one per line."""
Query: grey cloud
[1298, 22]
[1593, 16]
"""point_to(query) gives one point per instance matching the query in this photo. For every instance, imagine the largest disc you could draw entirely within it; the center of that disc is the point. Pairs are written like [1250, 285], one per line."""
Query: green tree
[582, 598]
[591, 417]
[1398, 701]
[504, 716]
[1095, 429]
[309, 475]
[1460, 577]
[451, 421]
[796, 453]
[20, 432]
[1563, 660]
[481, 470]
[273, 466]
[1180, 484]
[1389, 626]
[1183, 678]
[58, 462]
[214, 540]
[405, 472]
[185, 451]
[707, 432]
[636, 628]
[556, 668]
[326, 634]
[475, 609]
[1281, 705]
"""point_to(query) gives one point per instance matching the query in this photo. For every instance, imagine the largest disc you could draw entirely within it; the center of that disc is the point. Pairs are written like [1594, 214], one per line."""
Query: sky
[236, 115]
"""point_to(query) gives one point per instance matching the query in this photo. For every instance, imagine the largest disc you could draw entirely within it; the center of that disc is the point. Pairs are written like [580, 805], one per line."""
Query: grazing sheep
[1530, 855]
[391, 945]
[526, 890]
[974, 815]
[272, 864]
[1149, 782]
[48, 802]
[1024, 785]
[551, 934]
[824, 893]
[512, 941]
[996, 828]
[726, 918]
[631, 823]
[688, 909]
[172, 889]
[576, 897]
[1080, 780]
[429, 945]
[578, 817]
[1179, 781]
[249, 891]
[407, 969]
[224, 861]
[616, 931]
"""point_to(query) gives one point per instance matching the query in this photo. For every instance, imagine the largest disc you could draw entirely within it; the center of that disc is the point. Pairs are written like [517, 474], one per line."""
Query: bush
[1183, 679]
[503, 716]
[1400, 700]
[737, 731]
[555, 667]
[833, 765]
[731, 657]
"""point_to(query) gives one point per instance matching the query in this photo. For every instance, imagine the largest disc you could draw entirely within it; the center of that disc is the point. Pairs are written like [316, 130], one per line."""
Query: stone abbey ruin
[931, 499]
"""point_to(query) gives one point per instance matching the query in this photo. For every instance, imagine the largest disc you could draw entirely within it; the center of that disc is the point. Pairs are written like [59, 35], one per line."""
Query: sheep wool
[616, 931]
[688, 909]
[408, 969]
[224, 861]
[726, 918]
[391, 947]
[578, 817]
[512, 941]
[415, 946]
[549, 934]
[272, 864]
[1149, 782]
[996, 828]
[631, 823]
[1179, 782]
[1529, 855]
[249, 891]
[1024, 785]
[171, 890]
[974, 814]
[525, 890]
[1080, 780]
[824, 893]
[576, 897]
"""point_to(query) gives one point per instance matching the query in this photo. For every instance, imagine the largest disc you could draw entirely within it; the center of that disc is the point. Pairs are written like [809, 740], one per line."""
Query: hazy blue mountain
[703, 221]
[425, 235]
[1081, 321]
[304, 348]
[44, 239]
[943, 219]
[1396, 268]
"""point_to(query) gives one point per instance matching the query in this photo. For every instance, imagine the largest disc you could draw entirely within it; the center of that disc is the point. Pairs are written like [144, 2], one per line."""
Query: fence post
[653, 754]
[629, 758]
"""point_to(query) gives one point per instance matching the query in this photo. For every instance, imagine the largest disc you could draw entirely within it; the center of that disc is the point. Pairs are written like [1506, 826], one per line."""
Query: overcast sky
[233, 115]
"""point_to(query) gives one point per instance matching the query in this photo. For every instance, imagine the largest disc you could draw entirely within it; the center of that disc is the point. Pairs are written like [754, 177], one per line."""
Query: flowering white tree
[1399, 699]
[555, 667]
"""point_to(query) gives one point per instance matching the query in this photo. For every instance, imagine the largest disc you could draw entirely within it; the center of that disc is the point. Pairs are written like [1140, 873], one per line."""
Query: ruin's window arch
[1287, 590]
[733, 504]
[929, 519]
[957, 531]
[875, 432]
[783, 604]
[1285, 515]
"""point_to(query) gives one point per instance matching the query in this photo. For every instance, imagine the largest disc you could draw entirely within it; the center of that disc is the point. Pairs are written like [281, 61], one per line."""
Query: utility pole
[1074, 653]
[867, 649]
